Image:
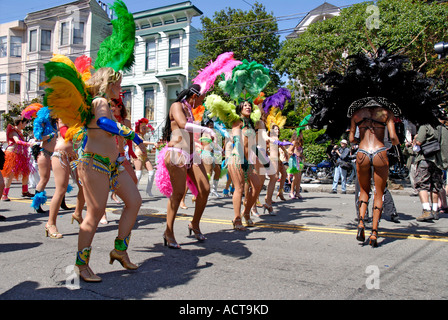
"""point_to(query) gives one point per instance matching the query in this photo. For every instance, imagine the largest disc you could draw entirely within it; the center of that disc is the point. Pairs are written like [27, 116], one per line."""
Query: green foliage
[250, 35]
[413, 26]
[314, 153]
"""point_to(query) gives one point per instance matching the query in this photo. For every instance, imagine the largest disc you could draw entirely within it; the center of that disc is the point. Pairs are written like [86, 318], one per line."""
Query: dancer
[120, 113]
[44, 131]
[295, 164]
[375, 88]
[142, 127]
[177, 167]
[266, 167]
[99, 166]
[61, 160]
[17, 159]
[274, 155]
[211, 155]
[245, 84]
[274, 121]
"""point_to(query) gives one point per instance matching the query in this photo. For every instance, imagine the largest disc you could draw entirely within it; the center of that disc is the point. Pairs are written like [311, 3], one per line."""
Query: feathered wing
[224, 111]
[117, 50]
[66, 94]
[223, 64]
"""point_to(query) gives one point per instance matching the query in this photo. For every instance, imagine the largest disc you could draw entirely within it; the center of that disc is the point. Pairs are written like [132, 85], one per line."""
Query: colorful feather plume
[248, 79]
[84, 64]
[42, 124]
[30, 112]
[259, 100]
[275, 117]
[277, 100]
[224, 111]
[117, 50]
[224, 64]
[198, 113]
[66, 94]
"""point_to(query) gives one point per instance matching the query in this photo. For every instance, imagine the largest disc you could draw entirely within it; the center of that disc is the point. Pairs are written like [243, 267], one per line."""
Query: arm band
[117, 128]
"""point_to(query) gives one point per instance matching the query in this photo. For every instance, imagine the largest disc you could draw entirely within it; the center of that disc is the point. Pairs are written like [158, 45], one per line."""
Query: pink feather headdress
[223, 64]
[31, 111]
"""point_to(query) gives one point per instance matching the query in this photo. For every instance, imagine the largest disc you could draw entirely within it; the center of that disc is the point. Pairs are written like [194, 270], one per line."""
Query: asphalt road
[307, 251]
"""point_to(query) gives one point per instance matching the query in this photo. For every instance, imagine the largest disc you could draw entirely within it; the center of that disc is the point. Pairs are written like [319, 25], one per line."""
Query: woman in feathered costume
[376, 88]
[142, 127]
[178, 166]
[274, 122]
[17, 158]
[85, 106]
[120, 113]
[176, 170]
[44, 132]
[245, 84]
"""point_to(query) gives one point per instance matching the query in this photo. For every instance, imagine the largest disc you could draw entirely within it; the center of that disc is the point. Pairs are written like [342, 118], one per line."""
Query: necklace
[190, 117]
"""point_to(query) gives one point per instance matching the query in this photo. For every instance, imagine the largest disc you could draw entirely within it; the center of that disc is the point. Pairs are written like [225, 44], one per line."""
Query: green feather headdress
[117, 50]
[247, 81]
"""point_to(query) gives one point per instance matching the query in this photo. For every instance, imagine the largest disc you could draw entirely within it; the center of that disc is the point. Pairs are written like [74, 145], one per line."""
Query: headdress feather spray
[66, 94]
[224, 64]
[381, 75]
[30, 112]
[248, 80]
[117, 50]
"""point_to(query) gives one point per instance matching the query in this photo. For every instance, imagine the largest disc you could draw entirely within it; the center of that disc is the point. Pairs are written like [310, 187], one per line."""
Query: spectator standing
[342, 165]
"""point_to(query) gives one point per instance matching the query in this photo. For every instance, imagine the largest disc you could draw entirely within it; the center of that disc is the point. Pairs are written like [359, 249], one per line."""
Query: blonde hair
[98, 83]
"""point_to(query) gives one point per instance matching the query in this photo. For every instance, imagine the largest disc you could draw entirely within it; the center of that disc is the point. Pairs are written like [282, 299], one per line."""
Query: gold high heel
[54, 235]
[82, 268]
[86, 274]
[247, 222]
[123, 258]
[78, 219]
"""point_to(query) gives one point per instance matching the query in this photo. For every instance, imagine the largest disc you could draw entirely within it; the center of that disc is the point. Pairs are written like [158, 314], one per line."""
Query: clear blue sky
[289, 11]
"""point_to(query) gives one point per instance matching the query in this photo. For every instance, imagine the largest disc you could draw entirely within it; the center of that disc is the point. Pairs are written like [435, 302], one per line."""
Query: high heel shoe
[52, 235]
[197, 233]
[280, 195]
[123, 258]
[360, 236]
[238, 226]
[269, 209]
[373, 242]
[86, 274]
[254, 212]
[64, 205]
[82, 268]
[78, 219]
[167, 242]
[247, 222]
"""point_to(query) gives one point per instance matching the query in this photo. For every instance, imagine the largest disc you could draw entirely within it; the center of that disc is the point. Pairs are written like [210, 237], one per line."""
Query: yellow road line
[290, 227]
